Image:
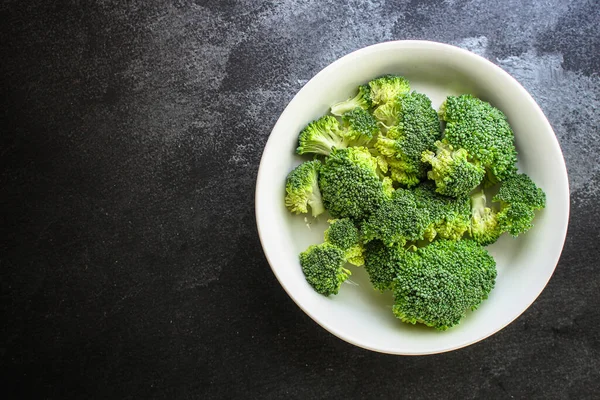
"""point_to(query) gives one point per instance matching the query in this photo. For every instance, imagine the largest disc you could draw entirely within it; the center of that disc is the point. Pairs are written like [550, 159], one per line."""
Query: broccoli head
[521, 189]
[360, 127]
[483, 131]
[302, 189]
[397, 221]
[516, 218]
[484, 228]
[323, 267]
[349, 184]
[382, 263]
[321, 136]
[452, 171]
[448, 216]
[437, 284]
[416, 130]
[519, 197]
[362, 100]
[343, 234]
[386, 88]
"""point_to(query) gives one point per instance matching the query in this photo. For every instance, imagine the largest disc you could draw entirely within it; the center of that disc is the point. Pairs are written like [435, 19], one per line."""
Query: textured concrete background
[131, 137]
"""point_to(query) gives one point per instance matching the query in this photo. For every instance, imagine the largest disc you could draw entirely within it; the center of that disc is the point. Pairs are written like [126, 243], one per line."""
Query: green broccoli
[452, 171]
[349, 184]
[519, 197]
[397, 170]
[435, 285]
[388, 187]
[417, 129]
[320, 136]
[483, 131]
[521, 189]
[382, 263]
[397, 221]
[343, 234]
[386, 88]
[388, 114]
[449, 217]
[302, 189]
[362, 100]
[323, 267]
[516, 218]
[484, 228]
[360, 127]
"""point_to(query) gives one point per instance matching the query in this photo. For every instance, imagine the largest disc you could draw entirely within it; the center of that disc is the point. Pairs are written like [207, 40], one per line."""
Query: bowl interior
[358, 314]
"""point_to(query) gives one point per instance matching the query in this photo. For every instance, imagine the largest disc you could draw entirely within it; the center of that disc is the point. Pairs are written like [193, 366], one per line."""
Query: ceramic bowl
[359, 314]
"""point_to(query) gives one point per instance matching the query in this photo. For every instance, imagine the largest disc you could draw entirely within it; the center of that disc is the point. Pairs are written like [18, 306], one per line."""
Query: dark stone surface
[132, 132]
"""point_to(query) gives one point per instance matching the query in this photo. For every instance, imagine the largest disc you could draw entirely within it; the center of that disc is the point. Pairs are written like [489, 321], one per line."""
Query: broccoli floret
[484, 228]
[417, 129]
[397, 169]
[323, 267]
[362, 100]
[350, 185]
[387, 114]
[302, 189]
[516, 218]
[343, 234]
[382, 263]
[521, 189]
[483, 131]
[519, 197]
[360, 127]
[437, 284]
[452, 171]
[386, 88]
[321, 136]
[449, 217]
[397, 221]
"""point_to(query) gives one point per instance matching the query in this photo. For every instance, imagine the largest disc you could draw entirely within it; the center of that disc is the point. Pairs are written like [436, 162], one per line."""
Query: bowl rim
[400, 45]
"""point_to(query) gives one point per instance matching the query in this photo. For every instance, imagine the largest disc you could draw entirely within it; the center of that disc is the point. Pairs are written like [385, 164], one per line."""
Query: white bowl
[359, 314]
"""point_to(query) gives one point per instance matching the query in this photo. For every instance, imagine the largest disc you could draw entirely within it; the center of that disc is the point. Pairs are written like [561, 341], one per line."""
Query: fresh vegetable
[350, 185]
[415, 129]
[436, 285]
[412, 202]
[302, 189]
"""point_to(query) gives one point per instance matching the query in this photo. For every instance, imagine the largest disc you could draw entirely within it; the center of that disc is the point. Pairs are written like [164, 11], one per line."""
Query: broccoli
[388, 187]
[323, 267]
[449, 217]
[350, 185]
[483, 131]
[343, 234]
[387, 114]
[435, 285]
[452, 171]
[321, 136]
[360, 127]
[417, 129]
[516, 218]
[382, 263]
[362, 100]
[484, 228]
[386, 88]
[397, 169]
[519, 197]
[521, 189]
[397, 221]
[424, 237]
[302, 189]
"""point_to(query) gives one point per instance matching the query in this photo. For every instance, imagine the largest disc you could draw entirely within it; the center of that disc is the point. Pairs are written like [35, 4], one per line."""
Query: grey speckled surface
[131, 137]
